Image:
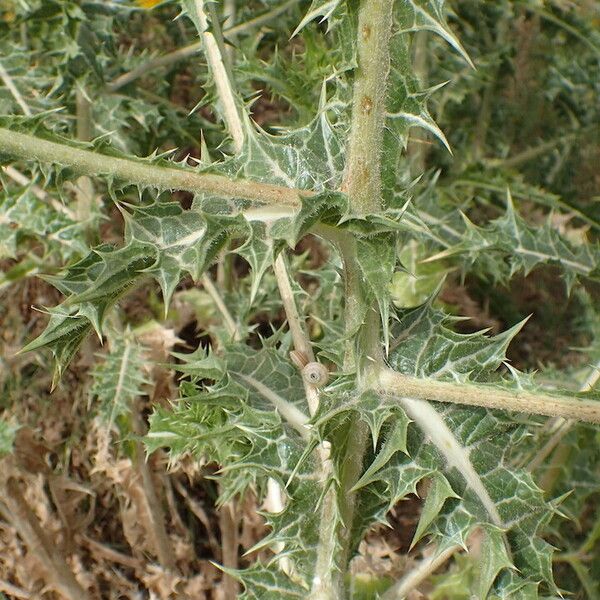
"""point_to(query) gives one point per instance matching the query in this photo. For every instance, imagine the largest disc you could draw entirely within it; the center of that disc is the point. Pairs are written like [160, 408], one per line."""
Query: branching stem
[362, 183]
[214, 50]
[86, 162]
[394, 383]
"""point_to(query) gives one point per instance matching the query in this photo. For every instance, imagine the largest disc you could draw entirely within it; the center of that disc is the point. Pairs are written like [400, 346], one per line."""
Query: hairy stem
[84, 187]
[86, 162]
[362, 184]
[363, 169]
[391, 382]
[214, 50]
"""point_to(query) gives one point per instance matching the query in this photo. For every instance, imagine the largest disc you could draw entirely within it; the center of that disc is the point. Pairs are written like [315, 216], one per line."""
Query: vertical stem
[221, 75]
[363, 170]
[228, 524]
[84, 187]
[162, 543]
[214, 48]
[362, 184]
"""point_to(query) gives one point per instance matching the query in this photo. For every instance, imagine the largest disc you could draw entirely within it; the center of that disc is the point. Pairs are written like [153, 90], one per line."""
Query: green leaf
[508, 245]
[414, 286]
[63, 335]
[186, 241]
[376, 257]
[309, 157]
[201, 364]
[24, 216]
[258, 251]
[262, 582]
[428, 15]
[493, 559]
[394, 441]
[119, 378]
[472, 446]
[431, 348]
[319, 9]
[438, 492]
[243, 422]
[162, 241]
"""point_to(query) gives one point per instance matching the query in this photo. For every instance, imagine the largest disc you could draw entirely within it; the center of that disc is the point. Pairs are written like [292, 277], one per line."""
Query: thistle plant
[367, 393]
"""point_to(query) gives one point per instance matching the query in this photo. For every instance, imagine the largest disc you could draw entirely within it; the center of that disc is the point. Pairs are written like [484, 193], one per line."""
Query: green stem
[396, 384]
[529, 154]
[29, 147]
[214, 50]
[363, 169]
[84, 187]
[362, 184]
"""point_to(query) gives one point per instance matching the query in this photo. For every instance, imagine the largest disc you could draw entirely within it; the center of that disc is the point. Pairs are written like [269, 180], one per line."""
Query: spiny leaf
[395, 441]
[263, 582]
[473, 443]
[162, 241]
[293, 158]
[258, 251]
[119, 379]
[319, 9]
[438, 492]
[63, 335]
[508, 245]
[493, 559]
[376, 257]
[237, 422]
[24, 216]
[431, 348]
[428, 15]
[186, 241]
[201, 364]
